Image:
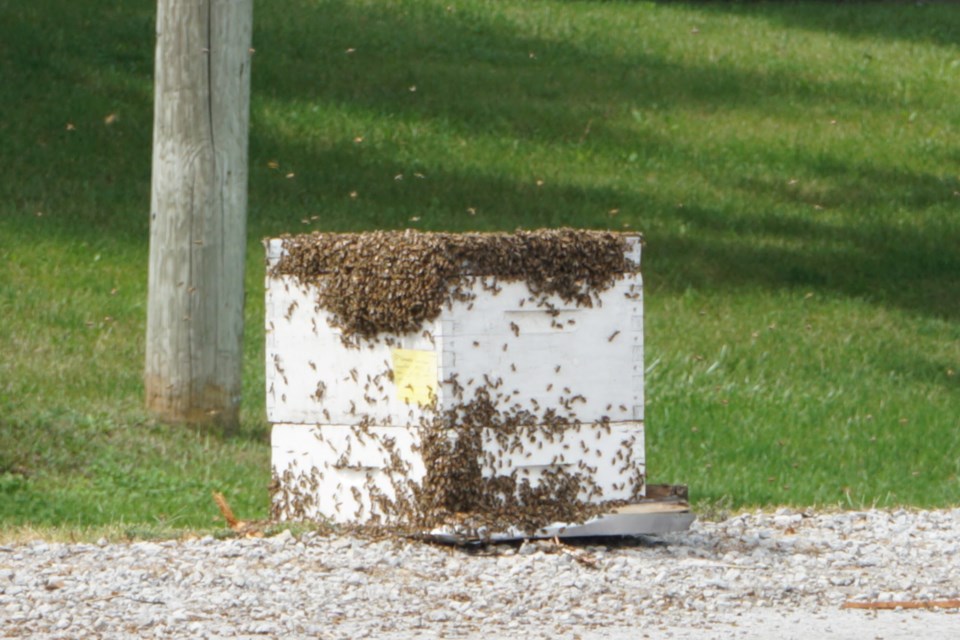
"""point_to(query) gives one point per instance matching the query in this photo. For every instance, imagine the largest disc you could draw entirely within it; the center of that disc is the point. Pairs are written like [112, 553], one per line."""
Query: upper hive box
[425, 379]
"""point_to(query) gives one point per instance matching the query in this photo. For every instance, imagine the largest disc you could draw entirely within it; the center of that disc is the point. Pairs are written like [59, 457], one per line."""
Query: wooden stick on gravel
[579, 555]
[903, 604]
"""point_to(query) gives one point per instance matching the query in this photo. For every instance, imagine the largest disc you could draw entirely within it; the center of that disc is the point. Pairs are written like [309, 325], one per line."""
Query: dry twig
[242, 527]
[227, 512]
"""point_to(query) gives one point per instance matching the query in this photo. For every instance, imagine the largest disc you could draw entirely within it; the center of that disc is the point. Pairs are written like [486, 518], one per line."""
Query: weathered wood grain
[198, 210]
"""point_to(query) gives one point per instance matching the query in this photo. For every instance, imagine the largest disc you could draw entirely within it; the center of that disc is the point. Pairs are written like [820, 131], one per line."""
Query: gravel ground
[783, 575]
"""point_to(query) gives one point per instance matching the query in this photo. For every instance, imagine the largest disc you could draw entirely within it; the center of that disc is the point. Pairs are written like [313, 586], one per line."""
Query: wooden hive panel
[565, 383]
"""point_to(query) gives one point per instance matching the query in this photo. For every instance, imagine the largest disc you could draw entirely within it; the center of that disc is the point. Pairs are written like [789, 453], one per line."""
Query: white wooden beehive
[343, 416]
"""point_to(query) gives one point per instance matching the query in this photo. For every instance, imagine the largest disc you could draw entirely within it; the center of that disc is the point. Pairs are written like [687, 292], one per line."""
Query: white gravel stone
[753, 576]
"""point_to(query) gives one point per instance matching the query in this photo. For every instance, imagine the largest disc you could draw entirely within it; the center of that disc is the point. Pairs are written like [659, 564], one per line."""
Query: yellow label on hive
[415, 374]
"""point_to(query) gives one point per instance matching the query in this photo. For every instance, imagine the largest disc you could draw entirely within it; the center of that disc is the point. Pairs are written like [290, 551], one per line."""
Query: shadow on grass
[479, 77]
[486, 76]
[476, 74]
[909, 20]
[908, 265]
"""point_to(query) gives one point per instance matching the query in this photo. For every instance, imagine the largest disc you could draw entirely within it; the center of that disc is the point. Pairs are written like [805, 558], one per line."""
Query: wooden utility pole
[198, 210]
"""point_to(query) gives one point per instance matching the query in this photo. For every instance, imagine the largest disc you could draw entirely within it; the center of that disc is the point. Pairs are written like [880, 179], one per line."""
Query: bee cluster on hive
[481, 381]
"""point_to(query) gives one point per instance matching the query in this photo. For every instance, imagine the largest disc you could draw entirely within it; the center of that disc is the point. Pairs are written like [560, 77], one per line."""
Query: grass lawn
[795, 168]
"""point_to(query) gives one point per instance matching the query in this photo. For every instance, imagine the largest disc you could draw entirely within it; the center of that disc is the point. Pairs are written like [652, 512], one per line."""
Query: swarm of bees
[393, 282]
